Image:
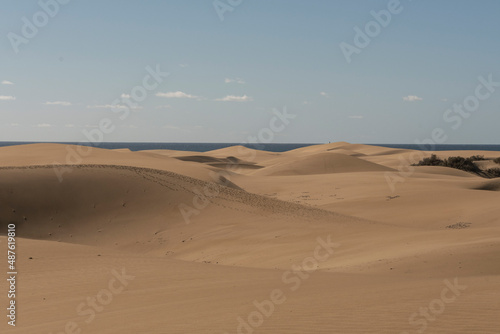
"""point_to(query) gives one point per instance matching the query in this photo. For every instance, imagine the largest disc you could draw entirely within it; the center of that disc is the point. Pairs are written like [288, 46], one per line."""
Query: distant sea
[203, 147]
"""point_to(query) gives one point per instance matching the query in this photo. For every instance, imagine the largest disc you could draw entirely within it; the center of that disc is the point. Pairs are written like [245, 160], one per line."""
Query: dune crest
[321, 163]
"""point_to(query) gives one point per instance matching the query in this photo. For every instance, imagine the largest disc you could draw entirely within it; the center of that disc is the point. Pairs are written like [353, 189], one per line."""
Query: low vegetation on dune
[493, 172]
[497, 160]
[465, 164]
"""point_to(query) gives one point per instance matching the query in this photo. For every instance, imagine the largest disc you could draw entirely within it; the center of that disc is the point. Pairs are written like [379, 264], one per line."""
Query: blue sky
[228, 76]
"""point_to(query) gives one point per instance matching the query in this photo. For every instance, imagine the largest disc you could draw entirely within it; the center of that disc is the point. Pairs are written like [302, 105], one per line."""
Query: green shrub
[497, 160]
[477, 158]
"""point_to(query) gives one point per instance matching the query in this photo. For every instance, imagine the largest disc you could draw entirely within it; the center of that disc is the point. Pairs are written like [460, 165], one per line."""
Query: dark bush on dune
[433, 160]
[493, 172]
[465, 164]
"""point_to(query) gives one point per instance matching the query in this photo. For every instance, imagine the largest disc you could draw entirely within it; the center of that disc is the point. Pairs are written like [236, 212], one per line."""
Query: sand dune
[343, 147]
[227, 163]
[321, 163]
[59, 155]
[204, 238]
[442, 171]
[244, 153]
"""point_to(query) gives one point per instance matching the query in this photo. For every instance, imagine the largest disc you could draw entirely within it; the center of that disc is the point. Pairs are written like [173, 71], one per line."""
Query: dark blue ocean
[203, 147]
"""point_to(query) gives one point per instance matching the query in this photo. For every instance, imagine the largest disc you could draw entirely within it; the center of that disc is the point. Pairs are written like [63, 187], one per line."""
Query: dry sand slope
[313, 240]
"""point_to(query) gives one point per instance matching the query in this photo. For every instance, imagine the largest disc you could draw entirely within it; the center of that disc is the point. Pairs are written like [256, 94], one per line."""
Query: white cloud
[14, 124]
[357, 117]
[412, 98]
[6, 98]
[444, 100]
[183, 65]
[233, 98]
[69, 125]
[6, 82]
[57, 103]
[113, 106]
[107, 106]
[43, 125]
[236, 80]
[176, 95]
[125, 96]
[323, 94]
[171, 127]
[166, 106]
